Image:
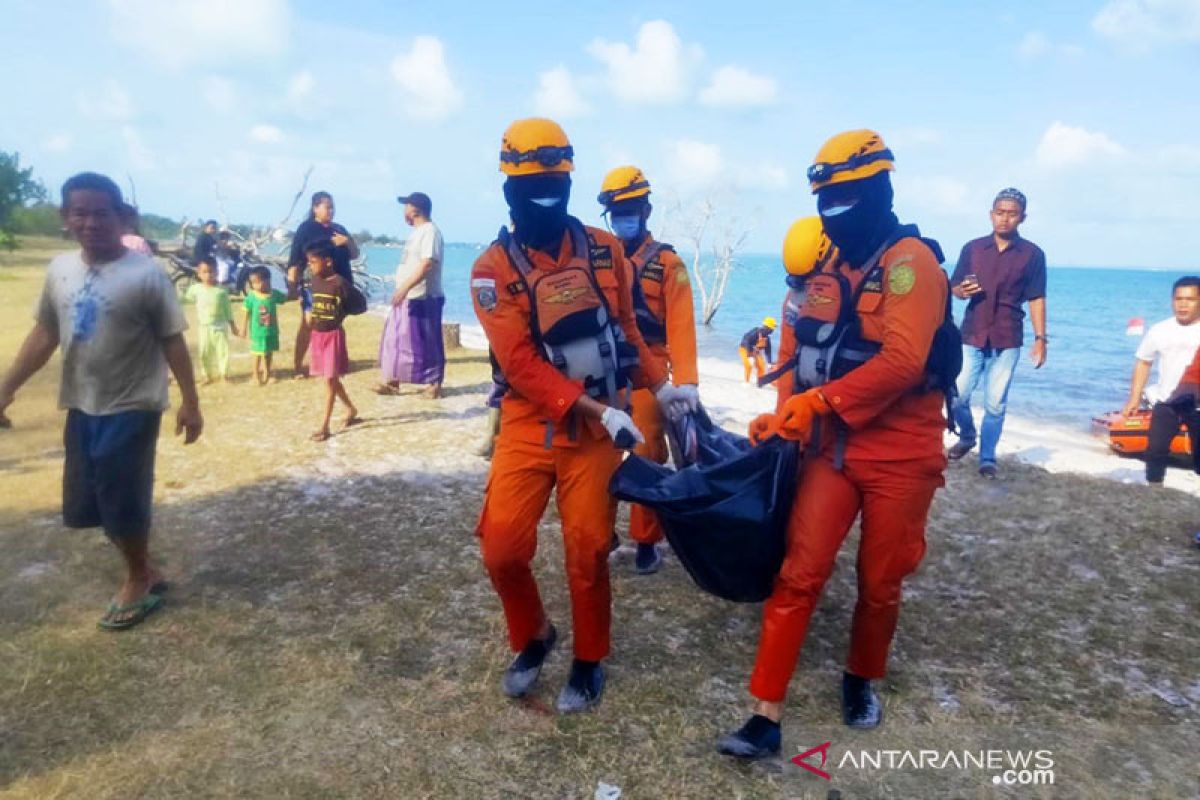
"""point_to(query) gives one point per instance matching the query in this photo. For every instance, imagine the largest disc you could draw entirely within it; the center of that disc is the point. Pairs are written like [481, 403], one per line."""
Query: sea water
[1089, 357]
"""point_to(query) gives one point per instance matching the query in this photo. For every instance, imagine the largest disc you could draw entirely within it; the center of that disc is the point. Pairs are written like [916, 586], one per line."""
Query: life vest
[571, 321]
[647, 268]
[822, 309]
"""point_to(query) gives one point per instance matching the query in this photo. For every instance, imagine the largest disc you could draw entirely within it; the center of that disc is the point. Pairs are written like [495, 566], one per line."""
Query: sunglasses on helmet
[820, 173]
[547, 156]
[607, 198]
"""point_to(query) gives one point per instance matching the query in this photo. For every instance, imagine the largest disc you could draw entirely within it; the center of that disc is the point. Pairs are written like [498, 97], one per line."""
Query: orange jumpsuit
[542, 445]
[754, 343]
[893, 465]
[668, 294]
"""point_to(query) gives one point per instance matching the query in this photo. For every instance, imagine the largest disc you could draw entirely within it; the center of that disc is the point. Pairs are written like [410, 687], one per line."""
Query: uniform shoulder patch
[901, 279]
[484, 290]
[681, 276]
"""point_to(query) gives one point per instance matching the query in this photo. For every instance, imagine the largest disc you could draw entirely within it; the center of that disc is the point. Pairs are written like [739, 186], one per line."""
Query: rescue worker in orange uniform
[554, 298]
[662, 302]
[755, 342]
[869, 424]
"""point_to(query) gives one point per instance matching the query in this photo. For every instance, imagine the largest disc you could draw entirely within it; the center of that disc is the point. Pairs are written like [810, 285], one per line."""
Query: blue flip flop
[116, 619]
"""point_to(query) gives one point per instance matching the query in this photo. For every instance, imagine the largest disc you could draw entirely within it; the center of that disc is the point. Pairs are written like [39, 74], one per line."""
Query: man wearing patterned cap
[996, 275]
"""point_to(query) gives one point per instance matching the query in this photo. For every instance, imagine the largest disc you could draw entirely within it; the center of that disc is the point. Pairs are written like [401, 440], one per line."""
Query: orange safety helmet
[535, 146]
[850, 156]
[623, 183]
[805, 246]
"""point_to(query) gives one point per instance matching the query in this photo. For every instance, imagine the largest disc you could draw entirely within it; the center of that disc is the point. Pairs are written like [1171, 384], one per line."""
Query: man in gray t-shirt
[115, 316]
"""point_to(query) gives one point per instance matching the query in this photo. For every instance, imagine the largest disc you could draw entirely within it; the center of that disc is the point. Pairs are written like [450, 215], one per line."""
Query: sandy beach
[330, 631]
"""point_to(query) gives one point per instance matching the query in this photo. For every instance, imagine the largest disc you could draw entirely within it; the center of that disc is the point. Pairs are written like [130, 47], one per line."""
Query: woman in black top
[319, 226]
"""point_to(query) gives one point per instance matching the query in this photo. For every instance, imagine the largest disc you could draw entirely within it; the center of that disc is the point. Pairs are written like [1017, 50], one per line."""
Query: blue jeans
[995, 368]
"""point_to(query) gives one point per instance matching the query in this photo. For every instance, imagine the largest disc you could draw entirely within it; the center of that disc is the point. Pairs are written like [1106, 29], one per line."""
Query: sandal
[351, 421]
[319, 436]
[120, 618]
[385, 389]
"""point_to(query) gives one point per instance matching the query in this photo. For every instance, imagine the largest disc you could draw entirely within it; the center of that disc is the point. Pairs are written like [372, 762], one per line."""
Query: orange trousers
[644, 527]
[518, 489]
[754, 360]
[894, 498]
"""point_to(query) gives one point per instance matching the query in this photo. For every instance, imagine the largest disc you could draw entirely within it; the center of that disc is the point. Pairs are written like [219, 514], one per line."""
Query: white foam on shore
[1057, 448]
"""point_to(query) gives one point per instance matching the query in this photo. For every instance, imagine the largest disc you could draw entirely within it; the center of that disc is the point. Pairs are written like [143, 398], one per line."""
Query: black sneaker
[760, 737]
[959, 449]
[860, 705]
[584, 688]
[648, 560]
[988, 471]
[523, 672]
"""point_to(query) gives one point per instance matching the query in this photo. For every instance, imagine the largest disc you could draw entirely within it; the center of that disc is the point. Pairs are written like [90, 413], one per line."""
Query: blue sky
[1090, 107]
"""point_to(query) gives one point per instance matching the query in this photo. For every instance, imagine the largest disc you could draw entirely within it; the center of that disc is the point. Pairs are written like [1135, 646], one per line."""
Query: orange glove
[796, 419]
[763, 427]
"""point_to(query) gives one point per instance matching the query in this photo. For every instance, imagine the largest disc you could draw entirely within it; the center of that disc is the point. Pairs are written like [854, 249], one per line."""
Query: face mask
[627, 227]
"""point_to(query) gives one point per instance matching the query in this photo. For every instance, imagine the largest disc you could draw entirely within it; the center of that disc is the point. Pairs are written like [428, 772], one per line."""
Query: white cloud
[57, 143]
[904, 138]
[1035, 45]
[426, 86]
[937, 194]
[1064, 146]
[300, 87]
[734, 87]
[557, 95]
[139, 155]
[266, 134]
[1140, 25]
[184, 32]
[693, 164]
[110, 102]
[219, 94]
[657, 69]
[765, 175]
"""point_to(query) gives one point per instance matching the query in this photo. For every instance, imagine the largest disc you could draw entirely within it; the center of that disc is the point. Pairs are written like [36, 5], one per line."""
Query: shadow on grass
[319, 631]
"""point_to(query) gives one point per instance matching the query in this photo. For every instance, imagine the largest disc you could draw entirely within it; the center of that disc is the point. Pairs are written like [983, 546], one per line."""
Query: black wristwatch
[1040, 338]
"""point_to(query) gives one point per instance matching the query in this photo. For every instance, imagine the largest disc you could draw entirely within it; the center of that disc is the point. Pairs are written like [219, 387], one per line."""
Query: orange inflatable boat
[1130, 436]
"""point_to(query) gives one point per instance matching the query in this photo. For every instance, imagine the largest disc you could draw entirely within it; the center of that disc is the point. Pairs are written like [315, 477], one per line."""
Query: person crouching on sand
[328, 357]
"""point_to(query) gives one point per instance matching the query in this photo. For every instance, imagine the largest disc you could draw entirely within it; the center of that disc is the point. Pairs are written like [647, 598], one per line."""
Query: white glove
[617, 422]
[675, 401]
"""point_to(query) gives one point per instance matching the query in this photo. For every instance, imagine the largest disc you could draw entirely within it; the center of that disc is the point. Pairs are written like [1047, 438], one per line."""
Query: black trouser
[1164, 424]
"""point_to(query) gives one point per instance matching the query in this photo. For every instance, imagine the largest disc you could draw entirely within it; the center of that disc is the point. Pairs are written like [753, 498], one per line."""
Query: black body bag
[725, 510]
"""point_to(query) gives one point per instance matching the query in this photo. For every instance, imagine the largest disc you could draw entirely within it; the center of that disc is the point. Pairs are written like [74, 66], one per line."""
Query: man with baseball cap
[411, 350]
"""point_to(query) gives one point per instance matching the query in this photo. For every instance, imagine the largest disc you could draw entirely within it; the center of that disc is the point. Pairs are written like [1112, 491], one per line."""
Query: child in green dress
[261, 322]
[214, 318]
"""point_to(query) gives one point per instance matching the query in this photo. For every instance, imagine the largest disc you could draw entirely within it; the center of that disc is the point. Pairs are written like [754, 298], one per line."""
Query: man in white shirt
[411, 349]
[1172, 343]
[113, 314]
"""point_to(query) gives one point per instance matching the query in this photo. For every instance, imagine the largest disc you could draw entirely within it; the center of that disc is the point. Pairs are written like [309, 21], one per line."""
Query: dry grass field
[331, 633]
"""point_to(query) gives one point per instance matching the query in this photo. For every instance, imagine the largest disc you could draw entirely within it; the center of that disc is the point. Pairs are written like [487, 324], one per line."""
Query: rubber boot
[488, 445]
[760, 737]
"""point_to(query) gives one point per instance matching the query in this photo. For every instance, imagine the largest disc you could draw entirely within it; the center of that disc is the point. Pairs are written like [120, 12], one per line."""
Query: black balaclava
[857, 216]
[539, 225]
